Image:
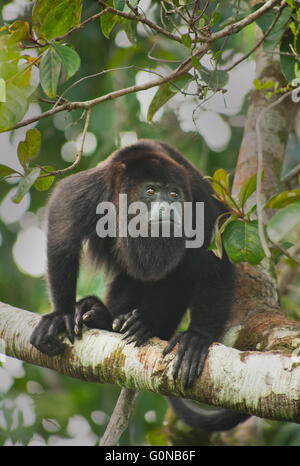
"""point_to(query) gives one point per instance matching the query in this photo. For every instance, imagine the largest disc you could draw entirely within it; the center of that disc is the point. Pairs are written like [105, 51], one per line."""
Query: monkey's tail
[209, 420]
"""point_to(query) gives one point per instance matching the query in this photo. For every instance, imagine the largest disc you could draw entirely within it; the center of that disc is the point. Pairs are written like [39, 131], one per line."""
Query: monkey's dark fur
[155, 280]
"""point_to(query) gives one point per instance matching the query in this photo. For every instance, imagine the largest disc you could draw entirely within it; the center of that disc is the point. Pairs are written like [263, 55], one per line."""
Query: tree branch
[262, 384]
[182, 69]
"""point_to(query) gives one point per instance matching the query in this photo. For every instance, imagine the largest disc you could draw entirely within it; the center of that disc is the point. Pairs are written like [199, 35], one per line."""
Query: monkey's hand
[45, 335]
[91, 312]
[133, 327]
[191, 355]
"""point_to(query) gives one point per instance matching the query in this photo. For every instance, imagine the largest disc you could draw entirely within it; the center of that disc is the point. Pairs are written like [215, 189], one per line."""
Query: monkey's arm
[210, 307]
[71, 218]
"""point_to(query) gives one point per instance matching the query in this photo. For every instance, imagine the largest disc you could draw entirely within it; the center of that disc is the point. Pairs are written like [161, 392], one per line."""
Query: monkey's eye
[150, 191]
[174, 194]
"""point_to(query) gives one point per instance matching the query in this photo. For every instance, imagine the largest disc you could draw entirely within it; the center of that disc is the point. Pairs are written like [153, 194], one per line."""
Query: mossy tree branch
[263, 384]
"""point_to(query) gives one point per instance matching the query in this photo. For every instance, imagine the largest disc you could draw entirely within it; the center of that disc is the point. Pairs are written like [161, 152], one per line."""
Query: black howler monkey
[155, 279]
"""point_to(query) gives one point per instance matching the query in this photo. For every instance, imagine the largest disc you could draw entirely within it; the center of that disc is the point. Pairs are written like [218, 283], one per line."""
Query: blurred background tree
[39, 406]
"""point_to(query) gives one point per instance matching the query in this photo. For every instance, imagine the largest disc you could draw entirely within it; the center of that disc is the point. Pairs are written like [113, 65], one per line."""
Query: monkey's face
[155, 243]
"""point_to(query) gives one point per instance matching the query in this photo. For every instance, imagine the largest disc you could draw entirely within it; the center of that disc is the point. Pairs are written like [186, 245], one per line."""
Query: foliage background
[38, 405]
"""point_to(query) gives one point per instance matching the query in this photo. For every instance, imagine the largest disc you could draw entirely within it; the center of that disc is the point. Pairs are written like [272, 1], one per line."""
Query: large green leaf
[13, 110]
[241, 242]
[25, 184]
[284, 222]
[70, 59]
[164, 93]
[49, 71]
[53, 18]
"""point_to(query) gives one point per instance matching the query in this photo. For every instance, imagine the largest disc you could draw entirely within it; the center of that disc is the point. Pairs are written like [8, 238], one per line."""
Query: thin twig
[78, 155]
[112, 95]
[119, 418]
[80, 26]
[122, 68]
[141, 19]
[291, 174]
[286, 253]
[183, 68]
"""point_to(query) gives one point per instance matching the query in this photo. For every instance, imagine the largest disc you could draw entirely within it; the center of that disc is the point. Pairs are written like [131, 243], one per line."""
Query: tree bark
[264, 384]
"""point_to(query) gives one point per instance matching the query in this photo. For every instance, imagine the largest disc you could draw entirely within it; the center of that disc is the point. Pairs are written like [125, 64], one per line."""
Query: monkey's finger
[180, 354]
[39, 333]
[89, 316]
[51, 346]
[129, 322]
[118, 322]
[133, 330]
[145, 335]
[68, 320]
[190, 356]
[78, 325]
[171, 344]
[194, 366]
[204, 353]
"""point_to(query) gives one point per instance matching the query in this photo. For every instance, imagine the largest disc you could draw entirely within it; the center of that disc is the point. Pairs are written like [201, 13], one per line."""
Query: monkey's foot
[191, 355]
[91, 312]
[133, 327]
[45, 335]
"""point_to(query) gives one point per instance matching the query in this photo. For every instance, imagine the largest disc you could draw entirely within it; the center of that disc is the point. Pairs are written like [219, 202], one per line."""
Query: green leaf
[220, 182]
[50, 67]
[157, 437]
[164, 93]
[5, 171]
[241, 242]
[129, 29]
[257, 84]
[29, 148]
[19, 31]
[196, 64]
[288, 63]
[25, 184]
[119, 4]
[216, 245]
[284, 198]
[222, 177]
[247, 190]
[108, 21]
[284, 222]
[43, 184]
[268, 85]
[2, 90]
[216, 79]
[53, 18]
[70, 59]
[265, 21]
[186, 40]
[13, 110]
